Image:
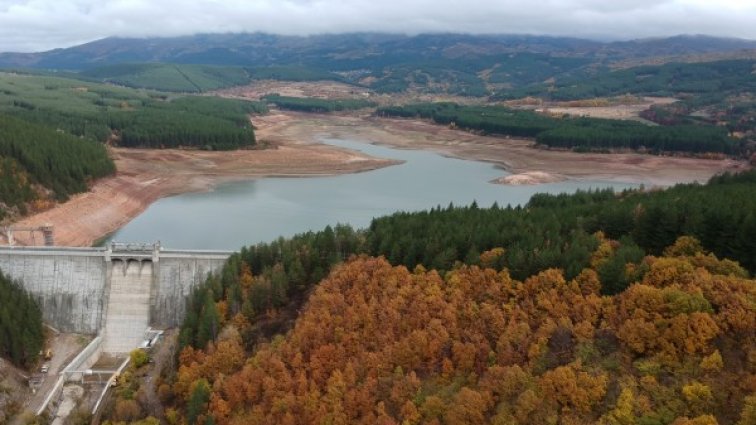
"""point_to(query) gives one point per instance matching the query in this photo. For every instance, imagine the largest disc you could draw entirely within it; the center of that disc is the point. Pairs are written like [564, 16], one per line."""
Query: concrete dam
[116, 291]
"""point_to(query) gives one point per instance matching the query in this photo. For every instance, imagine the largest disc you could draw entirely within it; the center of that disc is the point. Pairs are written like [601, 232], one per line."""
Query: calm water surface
[243, 213]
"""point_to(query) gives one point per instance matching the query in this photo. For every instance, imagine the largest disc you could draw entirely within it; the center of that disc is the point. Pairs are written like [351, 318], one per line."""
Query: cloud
[34, 25]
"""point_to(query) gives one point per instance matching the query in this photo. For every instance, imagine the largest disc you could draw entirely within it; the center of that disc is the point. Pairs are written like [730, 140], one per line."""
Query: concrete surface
[68, 285]
[177, 275]
[74, 285]
[128, 312]
[69, 399]
[117, 293]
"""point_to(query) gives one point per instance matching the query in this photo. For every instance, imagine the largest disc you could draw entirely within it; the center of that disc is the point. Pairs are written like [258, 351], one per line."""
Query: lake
[244, 213]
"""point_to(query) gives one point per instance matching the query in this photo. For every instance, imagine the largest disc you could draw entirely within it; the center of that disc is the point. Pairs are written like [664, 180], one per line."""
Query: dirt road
[64, 348]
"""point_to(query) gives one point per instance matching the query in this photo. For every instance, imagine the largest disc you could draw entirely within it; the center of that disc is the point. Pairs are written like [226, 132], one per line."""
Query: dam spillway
[128, 310]
[116, 291]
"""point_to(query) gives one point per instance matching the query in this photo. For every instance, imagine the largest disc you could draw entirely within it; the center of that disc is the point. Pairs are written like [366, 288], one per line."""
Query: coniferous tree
[21, 331]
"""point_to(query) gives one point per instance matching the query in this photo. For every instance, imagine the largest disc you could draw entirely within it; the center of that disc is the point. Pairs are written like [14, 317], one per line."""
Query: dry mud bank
[144, 176]
[515, 155]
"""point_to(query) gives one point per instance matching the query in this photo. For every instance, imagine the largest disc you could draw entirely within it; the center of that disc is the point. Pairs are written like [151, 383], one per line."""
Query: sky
[38, 25]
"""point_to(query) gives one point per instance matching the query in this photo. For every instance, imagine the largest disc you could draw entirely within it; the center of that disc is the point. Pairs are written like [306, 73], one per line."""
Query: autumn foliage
[378, 344]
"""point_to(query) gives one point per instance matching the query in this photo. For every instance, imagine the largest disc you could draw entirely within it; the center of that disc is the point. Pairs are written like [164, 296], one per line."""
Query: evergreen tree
[197, 404]
[21, 331]
[209, 323]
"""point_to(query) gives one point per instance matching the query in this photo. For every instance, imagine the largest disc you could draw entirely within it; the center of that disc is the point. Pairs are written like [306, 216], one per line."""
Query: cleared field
[318, 89]
[629, 111]
[337, 90]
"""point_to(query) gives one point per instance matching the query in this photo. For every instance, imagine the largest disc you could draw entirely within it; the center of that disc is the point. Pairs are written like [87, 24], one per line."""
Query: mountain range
[359, 50]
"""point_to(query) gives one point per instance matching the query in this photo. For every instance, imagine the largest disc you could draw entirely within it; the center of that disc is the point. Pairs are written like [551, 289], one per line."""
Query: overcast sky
[35, 25]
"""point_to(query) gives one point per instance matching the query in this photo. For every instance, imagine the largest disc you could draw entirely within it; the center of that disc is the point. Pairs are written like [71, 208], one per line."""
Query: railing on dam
[52, 250]
[115, 250]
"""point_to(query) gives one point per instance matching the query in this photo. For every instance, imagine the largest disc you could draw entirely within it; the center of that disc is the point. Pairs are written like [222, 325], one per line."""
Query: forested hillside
[291, 73]
[204, 122]
[576, 133]
[556, 230]
[53, 130]
[551, 231]
[33, 157]
[21, 332]
[170, 77]
[189, 78]
[377, 344]
[584, 308]
[311, 104]
[130, 117]
[717, 92]
[709, 79]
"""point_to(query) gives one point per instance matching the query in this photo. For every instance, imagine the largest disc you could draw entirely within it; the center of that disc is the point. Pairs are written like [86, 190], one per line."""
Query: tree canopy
[21, 333]
[380, 344]
[581, 134]
[33, 155]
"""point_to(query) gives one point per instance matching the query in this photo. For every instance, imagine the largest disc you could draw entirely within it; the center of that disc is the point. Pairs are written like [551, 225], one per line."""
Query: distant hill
[678, 45]
[345, 51]
[716, 78]
[190, 78]
[716, 92]
[474, 65]
[264, 49]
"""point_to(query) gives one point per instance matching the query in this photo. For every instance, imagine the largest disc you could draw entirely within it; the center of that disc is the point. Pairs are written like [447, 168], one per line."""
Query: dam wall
[177, 274]
[116, 288]
[69, 284]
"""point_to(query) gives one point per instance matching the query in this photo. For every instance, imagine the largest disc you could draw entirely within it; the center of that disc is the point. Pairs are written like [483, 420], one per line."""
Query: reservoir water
[244, 213]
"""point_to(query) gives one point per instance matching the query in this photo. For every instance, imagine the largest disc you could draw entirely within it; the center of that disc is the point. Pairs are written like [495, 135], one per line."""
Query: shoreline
[145, 176]
[513, 155]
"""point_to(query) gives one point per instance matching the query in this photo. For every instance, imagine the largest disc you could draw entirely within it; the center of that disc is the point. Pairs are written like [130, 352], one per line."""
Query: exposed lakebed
[243, 213]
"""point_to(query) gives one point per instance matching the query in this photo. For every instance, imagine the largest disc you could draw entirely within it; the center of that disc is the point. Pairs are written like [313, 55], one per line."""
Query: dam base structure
[116, 291]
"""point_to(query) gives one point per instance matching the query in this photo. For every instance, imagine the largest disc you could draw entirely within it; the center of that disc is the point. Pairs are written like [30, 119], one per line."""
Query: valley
[291, 149]
[431, 229]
